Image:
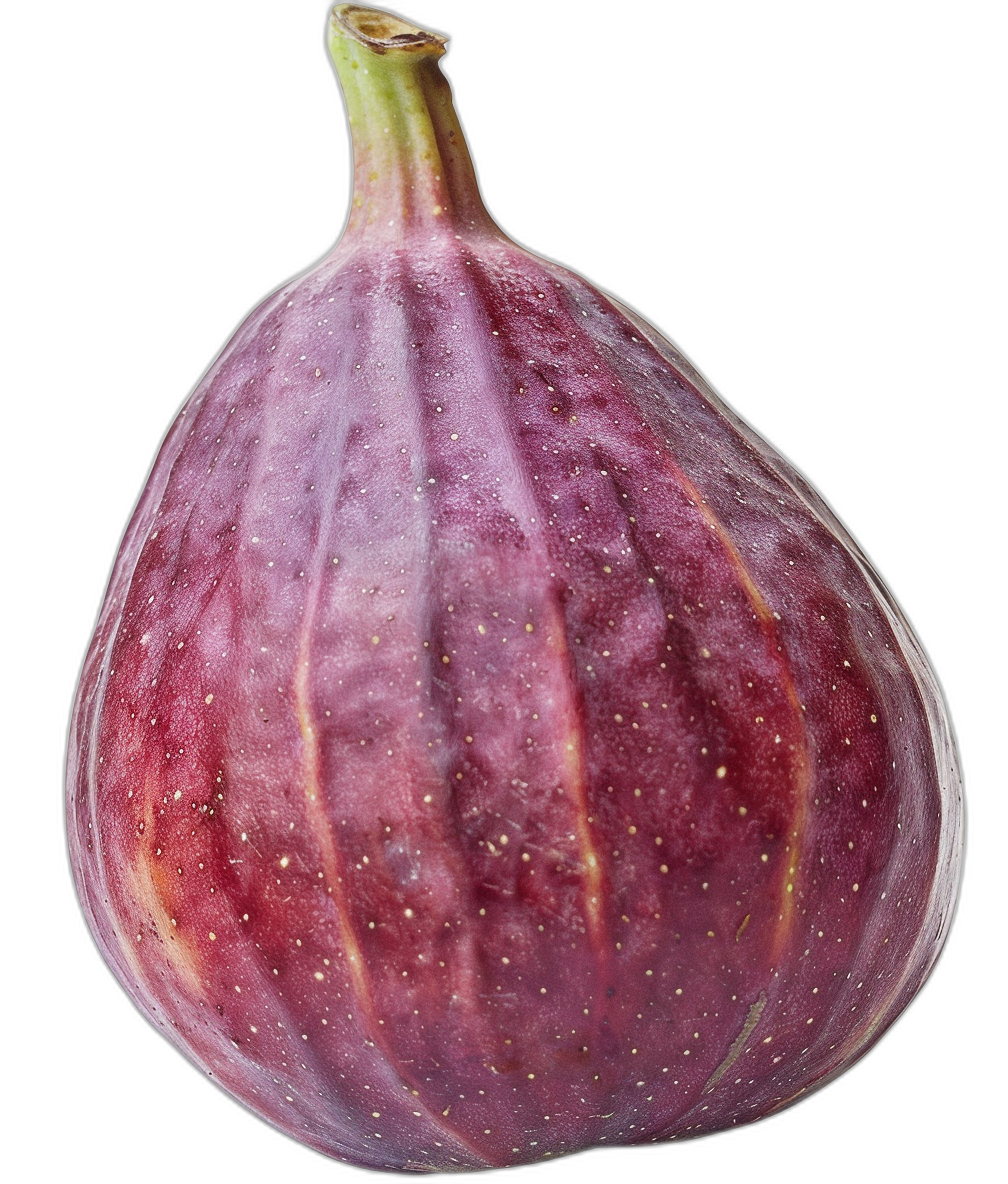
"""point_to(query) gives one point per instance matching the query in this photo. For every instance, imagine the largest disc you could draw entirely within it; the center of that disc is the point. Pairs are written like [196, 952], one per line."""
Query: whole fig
[489, 746]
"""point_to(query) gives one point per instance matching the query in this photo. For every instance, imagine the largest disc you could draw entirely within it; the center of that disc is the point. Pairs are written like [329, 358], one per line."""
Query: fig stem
[412, 168]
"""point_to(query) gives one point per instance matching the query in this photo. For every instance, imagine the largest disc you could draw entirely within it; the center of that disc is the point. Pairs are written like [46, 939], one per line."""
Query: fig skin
[546, 426]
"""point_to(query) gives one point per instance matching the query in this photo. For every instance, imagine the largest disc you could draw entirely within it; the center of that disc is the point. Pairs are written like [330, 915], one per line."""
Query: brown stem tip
[382, 31]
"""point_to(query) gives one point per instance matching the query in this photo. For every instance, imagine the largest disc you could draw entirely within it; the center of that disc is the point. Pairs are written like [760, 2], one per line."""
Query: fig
[489, 746]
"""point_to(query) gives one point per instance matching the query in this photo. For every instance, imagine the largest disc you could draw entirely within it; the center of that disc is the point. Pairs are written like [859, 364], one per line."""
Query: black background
[771, 200]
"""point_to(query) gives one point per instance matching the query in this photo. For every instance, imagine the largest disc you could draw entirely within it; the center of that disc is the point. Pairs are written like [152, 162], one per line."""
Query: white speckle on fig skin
[547, 766]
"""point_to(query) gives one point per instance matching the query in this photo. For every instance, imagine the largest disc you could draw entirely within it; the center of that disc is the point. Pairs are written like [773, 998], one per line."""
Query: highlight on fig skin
[489, 746]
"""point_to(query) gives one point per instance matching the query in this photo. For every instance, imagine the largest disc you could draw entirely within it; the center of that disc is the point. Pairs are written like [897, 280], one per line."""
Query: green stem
[412, 169]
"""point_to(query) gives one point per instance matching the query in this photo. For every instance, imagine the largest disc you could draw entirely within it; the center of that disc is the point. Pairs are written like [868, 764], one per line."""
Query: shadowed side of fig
[489, 747]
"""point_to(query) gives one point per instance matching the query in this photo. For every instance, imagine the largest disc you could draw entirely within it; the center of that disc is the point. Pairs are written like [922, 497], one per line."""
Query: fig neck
[412, 168]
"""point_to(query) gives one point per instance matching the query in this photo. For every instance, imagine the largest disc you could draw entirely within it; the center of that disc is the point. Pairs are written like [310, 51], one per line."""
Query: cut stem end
[382, 31]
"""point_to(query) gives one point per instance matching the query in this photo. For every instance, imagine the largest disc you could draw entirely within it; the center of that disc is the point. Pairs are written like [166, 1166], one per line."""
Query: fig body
[489, 746]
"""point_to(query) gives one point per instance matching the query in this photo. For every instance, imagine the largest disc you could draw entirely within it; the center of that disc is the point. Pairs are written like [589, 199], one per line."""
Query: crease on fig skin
[944, 890]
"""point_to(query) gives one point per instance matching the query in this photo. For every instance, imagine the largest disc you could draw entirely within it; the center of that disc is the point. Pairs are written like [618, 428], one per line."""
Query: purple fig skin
[489, 746]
